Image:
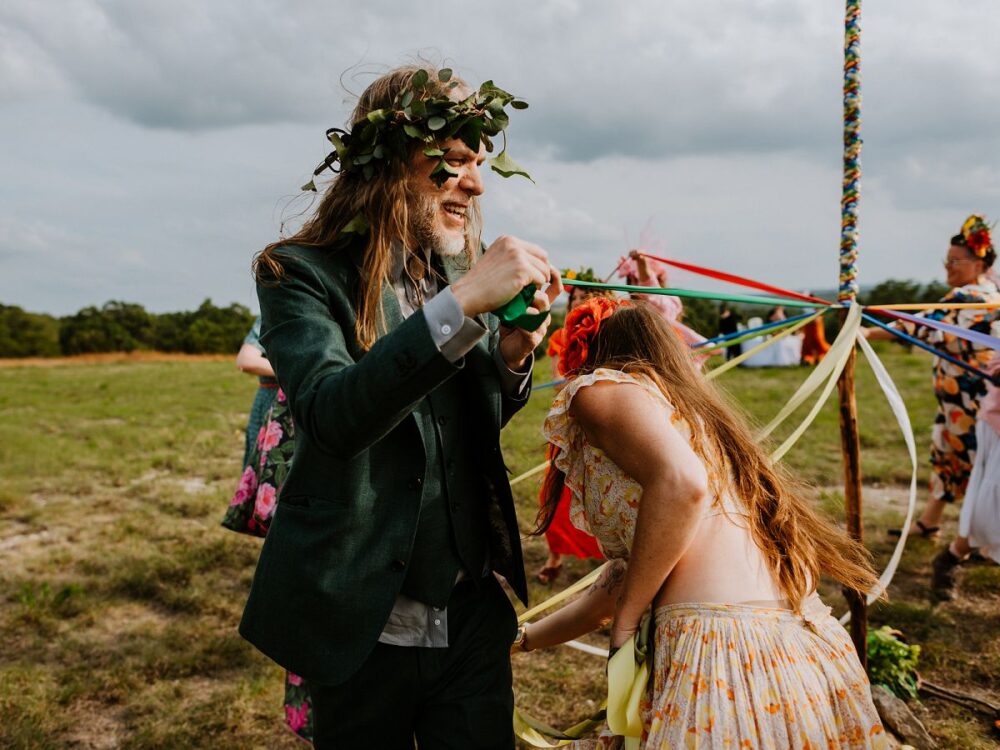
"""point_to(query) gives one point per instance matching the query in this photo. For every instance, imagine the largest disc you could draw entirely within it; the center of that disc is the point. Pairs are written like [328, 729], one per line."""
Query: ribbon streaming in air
[976, 337]
[738, 280]
[736, 337]
[933, 350]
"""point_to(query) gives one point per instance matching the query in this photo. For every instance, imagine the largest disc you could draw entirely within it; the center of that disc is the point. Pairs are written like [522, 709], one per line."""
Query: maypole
[847, 294]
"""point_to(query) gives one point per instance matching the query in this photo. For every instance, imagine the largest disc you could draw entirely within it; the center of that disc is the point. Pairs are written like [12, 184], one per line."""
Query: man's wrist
[461, 293]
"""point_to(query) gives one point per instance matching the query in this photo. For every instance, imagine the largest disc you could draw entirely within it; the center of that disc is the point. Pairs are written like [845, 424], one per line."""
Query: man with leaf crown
[376, 580]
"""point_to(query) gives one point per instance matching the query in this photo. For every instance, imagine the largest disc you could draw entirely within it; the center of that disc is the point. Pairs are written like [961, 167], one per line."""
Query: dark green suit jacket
[338, 546]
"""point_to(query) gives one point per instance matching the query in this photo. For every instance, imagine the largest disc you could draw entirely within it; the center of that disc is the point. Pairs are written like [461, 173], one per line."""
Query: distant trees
[25, 334]
[894, 290]
[123, 327]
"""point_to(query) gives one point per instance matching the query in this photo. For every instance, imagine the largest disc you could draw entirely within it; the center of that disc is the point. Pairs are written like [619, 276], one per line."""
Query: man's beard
[428, 235]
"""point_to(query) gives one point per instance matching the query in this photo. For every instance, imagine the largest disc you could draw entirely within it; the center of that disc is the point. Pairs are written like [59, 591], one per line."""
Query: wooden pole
[849, 440]
[851, 447]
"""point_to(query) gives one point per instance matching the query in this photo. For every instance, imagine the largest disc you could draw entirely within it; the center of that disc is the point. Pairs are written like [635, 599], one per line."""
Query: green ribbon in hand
[515, 313]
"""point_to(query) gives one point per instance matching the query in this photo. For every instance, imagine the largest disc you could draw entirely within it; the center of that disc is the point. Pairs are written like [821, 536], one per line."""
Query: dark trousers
[455, 698]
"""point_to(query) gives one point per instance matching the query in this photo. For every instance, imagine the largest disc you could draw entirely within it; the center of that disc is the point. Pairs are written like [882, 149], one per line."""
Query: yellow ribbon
[537, 734]
[628, 676]
[566, 593]
[529, 473]
[760, 347]
[843, 342]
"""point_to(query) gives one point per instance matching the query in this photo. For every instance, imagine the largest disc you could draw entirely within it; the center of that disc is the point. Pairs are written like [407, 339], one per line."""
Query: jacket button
[397, 565]
[416, 483]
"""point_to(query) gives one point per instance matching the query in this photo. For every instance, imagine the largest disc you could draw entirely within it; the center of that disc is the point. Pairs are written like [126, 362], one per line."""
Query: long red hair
[798, 543]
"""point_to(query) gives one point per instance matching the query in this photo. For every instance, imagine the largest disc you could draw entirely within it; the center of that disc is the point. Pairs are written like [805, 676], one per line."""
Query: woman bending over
[705, 531]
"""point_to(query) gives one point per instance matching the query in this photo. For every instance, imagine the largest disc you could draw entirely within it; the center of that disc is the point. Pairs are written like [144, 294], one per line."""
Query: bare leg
[929, 523]
[551, 570]
[960, 547]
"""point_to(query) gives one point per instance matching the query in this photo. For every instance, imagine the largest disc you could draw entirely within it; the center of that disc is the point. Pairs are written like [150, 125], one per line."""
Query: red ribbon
[739, 280]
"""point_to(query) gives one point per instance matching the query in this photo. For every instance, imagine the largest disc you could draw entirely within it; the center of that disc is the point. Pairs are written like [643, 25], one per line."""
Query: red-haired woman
[705, 531]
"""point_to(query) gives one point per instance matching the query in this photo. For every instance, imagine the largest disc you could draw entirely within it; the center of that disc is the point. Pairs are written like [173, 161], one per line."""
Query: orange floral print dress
[725, 676]
[958, 392]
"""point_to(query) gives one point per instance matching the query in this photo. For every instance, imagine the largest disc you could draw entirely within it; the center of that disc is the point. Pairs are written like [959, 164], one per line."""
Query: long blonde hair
[796, 541]
[384, 201]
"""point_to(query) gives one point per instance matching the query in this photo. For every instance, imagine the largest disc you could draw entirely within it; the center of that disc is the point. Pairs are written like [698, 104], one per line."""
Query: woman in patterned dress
[953, 438]
[705, 531]
[252, 360]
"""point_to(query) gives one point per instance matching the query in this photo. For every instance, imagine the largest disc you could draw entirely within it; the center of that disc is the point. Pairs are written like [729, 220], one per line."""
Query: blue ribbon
[765, 327]
[933, 350]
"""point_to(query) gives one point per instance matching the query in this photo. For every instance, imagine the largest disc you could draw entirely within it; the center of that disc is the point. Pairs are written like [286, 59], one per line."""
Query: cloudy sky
[150, 147]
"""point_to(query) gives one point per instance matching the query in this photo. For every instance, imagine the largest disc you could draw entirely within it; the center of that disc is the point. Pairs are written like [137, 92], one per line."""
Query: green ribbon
[515, 313]
[694, 294]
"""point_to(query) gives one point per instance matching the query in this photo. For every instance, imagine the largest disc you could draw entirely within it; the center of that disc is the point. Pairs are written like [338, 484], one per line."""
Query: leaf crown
[976, 233]
[422, 113]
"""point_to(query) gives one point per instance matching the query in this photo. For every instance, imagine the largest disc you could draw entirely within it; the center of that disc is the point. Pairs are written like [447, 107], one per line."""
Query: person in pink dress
[638, 270]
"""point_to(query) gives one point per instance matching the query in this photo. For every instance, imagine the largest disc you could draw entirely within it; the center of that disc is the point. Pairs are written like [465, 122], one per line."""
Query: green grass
[120, 593]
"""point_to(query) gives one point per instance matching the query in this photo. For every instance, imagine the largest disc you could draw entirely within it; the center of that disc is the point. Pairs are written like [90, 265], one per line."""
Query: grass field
[120, 592]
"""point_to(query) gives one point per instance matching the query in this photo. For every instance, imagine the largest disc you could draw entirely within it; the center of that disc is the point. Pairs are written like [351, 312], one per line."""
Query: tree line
[123, 327]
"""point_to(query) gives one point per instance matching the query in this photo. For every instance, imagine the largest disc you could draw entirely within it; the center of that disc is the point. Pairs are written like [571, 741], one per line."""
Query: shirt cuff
[515, 384]
[452, 332]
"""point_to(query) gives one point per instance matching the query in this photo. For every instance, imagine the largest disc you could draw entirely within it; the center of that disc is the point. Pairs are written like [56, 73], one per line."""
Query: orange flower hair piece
[581, 326]
[976, 232]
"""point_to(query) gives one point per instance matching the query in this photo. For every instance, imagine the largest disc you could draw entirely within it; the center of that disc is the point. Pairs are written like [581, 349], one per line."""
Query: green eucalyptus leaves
[423, 112]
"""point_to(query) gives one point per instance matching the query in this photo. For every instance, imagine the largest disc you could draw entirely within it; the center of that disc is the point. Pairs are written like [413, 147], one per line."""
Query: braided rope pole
[848, 289]
[847, 293]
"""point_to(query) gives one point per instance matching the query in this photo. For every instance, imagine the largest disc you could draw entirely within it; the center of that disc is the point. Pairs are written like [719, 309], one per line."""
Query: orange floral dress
[724, 675]
[953, 436]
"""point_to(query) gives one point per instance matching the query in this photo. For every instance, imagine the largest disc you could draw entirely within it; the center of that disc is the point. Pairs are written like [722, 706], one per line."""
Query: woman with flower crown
[704, 532]
[969, 269]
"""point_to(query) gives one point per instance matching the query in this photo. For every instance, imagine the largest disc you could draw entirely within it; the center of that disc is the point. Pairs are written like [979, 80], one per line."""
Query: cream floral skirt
[735, 677]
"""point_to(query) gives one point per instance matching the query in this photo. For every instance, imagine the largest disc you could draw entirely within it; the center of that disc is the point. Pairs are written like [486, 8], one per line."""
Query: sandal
[548, 574]
[927, 532]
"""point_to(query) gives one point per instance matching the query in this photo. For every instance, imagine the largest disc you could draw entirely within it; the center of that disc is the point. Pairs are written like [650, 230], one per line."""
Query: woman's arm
[618, 419]
[249, 359]
[586, 613]
[879, 334]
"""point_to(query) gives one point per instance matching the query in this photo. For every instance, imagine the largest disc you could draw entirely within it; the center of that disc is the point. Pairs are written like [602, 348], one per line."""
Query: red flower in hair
[581, 326]
[979, 242]
[976, 232]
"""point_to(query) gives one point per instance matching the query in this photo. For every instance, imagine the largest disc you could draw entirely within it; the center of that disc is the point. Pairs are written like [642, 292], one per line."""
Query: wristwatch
[520, 641]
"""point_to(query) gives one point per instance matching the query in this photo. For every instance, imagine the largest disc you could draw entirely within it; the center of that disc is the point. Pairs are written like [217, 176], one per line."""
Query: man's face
[438, 218]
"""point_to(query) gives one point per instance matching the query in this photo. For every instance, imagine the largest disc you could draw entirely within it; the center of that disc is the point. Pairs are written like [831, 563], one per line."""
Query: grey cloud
[646, 79]
[150, 146]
